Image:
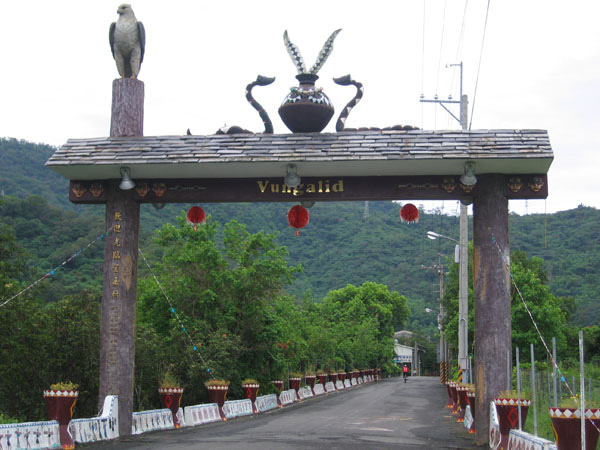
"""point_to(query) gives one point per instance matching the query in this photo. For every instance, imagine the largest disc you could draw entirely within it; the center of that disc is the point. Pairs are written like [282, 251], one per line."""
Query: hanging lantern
[298, 217]
[409, 214]
[195, 215]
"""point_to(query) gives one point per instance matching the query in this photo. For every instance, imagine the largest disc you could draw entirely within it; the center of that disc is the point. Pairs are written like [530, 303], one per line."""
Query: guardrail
[237, 408]
[200, 414]
[266, 402]
[339, 385]
[101, 428]
[330, 387]
[153, 420]
[30, 435]
[319, 389]
[287, 397]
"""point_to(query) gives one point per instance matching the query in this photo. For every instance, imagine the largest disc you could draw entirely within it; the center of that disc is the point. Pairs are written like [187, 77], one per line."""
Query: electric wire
[487, 12]
[423, 64]
[459, 48]
[441, 48]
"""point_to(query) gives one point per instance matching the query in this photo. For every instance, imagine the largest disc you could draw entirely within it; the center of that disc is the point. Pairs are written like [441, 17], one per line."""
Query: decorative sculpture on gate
[127, 39]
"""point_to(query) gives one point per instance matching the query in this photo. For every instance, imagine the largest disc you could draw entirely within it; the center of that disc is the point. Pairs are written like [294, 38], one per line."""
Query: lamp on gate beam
[126, 182]
[292, 179]
[469, 178]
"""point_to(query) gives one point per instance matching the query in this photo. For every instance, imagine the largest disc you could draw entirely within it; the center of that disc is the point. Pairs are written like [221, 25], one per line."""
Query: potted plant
[170, 392]
[60, 401]
[507, 406]
[295, 378]
[566, 423]
[250, 386]
[342, 376]
[471, 401]
[461, 391]
[309, 379]
[322, 376]
[333, 376]
[217, 393]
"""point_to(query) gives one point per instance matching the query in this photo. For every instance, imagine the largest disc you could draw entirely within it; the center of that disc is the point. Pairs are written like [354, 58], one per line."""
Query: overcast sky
[540, 68]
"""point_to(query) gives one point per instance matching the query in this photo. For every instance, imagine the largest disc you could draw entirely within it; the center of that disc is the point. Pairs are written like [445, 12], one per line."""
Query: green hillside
[338, 247]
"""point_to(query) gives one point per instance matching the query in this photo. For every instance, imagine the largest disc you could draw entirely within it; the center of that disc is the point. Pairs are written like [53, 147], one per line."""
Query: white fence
[329, 386]
[237, 408]
[266, 402]
[101, 428]
[319, 389]
[339, 385]
[199, 414]
[347, 383]
[305, 392]
[287, 397]
[30, 435]
[353, 382]
[156, 419]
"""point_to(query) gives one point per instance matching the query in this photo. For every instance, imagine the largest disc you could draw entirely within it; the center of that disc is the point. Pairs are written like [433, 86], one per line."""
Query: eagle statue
[127, 39]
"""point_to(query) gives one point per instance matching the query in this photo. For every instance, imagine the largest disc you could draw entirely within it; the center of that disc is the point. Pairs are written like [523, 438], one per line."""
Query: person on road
[405, 372]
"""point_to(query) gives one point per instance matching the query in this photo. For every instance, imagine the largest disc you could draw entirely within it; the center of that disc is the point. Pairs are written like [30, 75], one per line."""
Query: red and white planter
[279, 386]
[295, 385]
[60, 406]
[566, 423]
[171, 399]
[508, 416]
[251, 390]
[471, 401]
[217, 394]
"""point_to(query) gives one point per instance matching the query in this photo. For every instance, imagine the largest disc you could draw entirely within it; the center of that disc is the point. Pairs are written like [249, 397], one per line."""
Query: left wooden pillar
[117, 345]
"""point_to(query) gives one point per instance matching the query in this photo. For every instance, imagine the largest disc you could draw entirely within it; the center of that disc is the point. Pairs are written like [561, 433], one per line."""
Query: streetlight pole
[463, 291]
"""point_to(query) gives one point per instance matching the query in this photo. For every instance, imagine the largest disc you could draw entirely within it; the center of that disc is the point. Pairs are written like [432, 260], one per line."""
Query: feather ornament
[294, 53]
[325, 52]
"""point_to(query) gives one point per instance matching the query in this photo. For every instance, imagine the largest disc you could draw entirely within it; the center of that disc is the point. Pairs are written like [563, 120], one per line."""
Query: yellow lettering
[115, 281]
[117, 228]
[285, 189]
[262, 185]
[117, 242]
[115, 268]
[115, 293]
[298, 191]
[275, 188]
[118, 216]
[338, 187]
[327, 186]
[320, 183]
[116, 254]
[310, 189]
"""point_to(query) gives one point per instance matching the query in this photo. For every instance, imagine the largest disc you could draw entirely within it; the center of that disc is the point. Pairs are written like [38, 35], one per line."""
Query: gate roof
[348, 153]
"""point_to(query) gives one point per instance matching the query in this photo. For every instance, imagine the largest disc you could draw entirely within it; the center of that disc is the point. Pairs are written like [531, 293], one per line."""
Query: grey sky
[540, 69]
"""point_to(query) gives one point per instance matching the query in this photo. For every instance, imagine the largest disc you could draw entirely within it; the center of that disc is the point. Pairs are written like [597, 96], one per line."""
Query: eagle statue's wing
[111, 37]
[142, 37]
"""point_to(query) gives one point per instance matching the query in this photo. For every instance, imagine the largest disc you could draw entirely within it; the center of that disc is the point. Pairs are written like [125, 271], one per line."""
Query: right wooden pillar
[491, 284]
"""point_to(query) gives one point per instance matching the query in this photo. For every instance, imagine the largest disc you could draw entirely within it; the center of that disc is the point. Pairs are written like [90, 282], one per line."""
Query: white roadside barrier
[347, 383]
[237, 408]
[522, 440]
[266, 402]
[305, 392]
[287, 397]
[319, 389]
[330, 387]
[339, 385]
[153, 420]
[353, 382]
[199, 414]
[101, 428]
[30, 435]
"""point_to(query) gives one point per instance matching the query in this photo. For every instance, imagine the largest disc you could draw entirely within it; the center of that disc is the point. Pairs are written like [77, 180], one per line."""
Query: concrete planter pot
[322, 378]
[171, 399]
[566, 423]
[60, 406]
[295, 385]
[462, 401]
[508, 416]
[342, 376]
[251, 391]
[217, 394]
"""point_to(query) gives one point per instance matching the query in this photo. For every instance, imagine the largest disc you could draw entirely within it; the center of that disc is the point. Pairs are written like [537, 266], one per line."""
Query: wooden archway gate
[347, 166]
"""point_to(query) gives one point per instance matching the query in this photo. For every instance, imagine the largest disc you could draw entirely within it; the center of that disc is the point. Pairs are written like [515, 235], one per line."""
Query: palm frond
[325, 52]
[294, 53]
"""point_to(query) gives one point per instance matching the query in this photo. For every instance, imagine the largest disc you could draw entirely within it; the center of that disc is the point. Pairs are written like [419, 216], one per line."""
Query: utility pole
[463, 290]
[439, 269]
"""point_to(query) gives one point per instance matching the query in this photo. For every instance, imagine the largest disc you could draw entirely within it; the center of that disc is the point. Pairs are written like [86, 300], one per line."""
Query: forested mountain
[338, 247]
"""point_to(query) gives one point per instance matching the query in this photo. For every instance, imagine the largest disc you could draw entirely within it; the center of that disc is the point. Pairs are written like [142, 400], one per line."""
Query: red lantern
[409, 214]
[195, 215]
[298, 217]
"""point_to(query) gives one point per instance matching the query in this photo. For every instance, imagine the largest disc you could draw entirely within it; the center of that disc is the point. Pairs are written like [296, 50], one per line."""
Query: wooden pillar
[117, 344]
[492, 296]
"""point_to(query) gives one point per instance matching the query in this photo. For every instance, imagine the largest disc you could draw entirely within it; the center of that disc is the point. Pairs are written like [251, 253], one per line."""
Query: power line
[441, 48]
[480, 58]
[459, 47]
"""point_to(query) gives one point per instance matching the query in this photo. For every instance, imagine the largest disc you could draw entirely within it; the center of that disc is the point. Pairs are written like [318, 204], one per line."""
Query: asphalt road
[383, 415]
